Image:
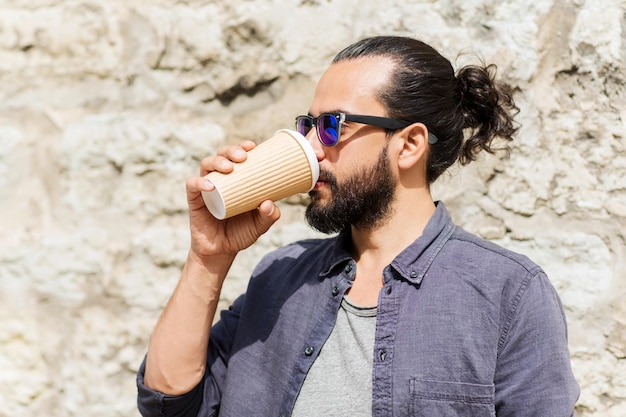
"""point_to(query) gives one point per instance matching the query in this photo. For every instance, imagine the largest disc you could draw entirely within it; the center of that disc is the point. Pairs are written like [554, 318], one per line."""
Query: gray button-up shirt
[464, 328]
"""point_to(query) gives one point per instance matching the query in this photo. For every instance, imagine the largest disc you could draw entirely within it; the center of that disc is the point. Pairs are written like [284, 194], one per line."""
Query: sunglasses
[329, 125]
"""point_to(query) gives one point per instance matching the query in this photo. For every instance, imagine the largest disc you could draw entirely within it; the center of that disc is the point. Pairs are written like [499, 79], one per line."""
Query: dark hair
[424, 88]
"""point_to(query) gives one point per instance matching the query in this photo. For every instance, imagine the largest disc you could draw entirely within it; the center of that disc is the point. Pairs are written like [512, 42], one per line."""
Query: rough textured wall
[106, 106]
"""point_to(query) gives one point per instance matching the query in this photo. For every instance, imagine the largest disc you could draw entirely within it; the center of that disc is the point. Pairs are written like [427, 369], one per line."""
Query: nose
[311, 136]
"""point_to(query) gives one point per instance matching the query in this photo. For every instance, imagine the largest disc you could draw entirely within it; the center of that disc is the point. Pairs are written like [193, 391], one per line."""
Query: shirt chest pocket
[450, 399]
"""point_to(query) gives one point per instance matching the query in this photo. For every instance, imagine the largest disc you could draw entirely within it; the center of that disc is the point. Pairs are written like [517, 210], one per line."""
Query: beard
[362, 200]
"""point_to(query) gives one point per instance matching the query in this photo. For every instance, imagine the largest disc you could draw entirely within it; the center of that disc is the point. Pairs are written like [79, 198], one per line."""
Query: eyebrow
[331, 111]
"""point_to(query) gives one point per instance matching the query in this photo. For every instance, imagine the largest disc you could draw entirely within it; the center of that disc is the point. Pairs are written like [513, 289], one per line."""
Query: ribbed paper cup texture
[278, 167]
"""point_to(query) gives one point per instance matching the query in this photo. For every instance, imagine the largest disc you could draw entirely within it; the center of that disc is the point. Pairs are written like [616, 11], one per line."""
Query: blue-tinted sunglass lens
[303, 125]
[328, 128]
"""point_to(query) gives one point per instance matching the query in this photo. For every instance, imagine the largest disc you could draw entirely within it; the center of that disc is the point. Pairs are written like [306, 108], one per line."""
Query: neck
[374, 248]
[380, 245]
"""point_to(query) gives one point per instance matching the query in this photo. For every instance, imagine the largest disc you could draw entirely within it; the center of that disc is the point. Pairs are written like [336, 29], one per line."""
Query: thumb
[268, 214]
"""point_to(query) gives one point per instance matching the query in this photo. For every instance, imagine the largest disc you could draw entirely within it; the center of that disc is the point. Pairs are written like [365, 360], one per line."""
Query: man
[402, 313]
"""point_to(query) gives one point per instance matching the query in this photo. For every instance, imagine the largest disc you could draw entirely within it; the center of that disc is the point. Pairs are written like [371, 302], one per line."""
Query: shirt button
[382, 354]
[335, 290]
[389, 291]
[413, 274]
[308, 350]
[348, 268]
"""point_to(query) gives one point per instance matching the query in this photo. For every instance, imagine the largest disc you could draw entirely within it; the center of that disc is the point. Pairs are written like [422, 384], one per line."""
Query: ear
[414, 146]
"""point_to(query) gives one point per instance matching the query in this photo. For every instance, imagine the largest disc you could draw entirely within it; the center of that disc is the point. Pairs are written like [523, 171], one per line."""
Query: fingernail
[207, 185]
[266, 211]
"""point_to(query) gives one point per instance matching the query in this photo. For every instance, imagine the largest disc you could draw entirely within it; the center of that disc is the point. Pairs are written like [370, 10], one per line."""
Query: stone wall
[106, 106]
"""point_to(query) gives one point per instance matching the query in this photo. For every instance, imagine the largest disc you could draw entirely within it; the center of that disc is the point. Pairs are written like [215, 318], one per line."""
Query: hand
[211, 237]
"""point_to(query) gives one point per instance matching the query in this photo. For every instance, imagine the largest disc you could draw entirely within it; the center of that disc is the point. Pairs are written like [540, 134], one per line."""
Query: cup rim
[214, 201]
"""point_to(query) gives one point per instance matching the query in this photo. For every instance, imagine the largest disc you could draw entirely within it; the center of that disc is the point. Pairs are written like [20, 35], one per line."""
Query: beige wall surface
[106, 106]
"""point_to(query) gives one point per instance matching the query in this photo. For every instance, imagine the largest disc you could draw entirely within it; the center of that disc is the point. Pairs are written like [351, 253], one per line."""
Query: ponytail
[487, 109]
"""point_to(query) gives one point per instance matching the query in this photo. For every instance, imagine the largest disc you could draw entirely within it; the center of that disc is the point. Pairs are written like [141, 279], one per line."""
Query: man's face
[357, 181]
[362, 199]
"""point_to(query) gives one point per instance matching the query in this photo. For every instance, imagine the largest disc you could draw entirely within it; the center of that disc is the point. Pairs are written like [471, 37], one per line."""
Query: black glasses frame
[378, 121]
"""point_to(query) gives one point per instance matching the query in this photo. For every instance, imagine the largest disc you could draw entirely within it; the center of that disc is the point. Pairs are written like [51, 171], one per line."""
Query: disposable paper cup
[278, 167]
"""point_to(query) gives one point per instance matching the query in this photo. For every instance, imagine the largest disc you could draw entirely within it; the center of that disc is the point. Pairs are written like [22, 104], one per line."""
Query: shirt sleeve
[533, 373]
[205, 398]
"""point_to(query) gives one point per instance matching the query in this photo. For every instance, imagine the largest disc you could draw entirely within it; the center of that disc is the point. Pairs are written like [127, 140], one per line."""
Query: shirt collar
[340, 253]
[413, 262]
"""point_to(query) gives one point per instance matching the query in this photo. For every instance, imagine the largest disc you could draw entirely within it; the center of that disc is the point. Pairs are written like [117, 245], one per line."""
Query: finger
[268, 214]
[215, 163]
[223, 161]
[196, 185]
[237, 153]
[247, 145]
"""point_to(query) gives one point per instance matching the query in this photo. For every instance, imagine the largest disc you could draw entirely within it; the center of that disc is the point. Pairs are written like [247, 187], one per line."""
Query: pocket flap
[452, 391]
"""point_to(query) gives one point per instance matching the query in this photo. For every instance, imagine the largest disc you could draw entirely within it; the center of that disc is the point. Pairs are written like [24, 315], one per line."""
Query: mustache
[328, 177]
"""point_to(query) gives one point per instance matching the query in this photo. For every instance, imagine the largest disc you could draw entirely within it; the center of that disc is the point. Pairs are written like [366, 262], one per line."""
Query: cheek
[353, 156]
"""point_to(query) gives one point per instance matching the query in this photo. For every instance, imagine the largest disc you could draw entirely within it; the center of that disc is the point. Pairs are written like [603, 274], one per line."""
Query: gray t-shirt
[339, 383]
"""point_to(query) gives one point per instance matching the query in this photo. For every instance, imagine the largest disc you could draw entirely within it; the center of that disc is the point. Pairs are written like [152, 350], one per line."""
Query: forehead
[351, 86]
